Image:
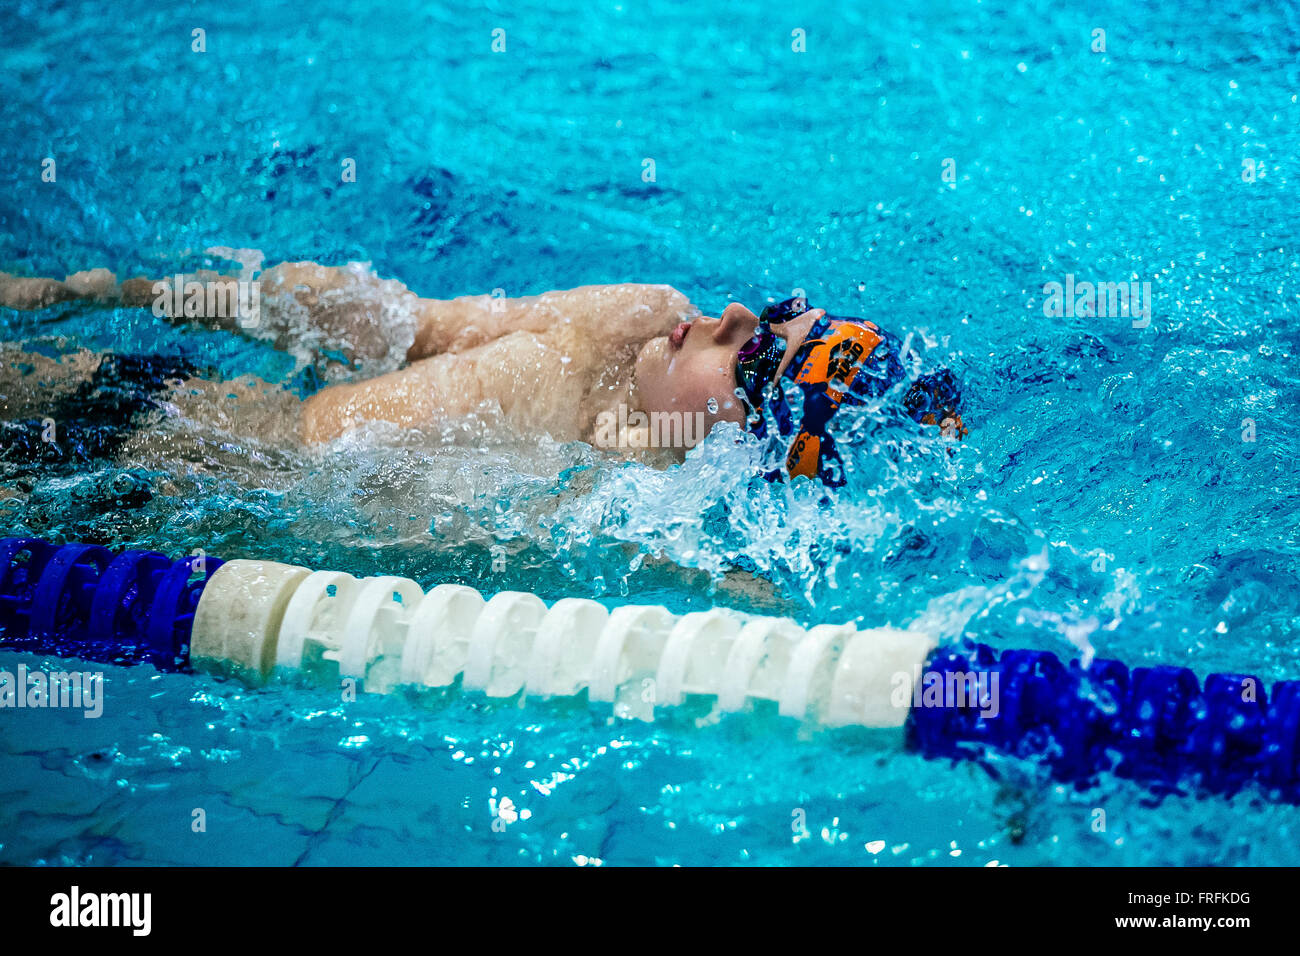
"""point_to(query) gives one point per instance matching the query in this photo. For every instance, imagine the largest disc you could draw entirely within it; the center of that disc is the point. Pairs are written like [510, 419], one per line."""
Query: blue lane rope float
[1157, 725]
[77, 600]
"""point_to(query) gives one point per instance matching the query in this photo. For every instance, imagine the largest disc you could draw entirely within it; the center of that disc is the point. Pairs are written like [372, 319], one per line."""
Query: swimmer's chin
[653, 358]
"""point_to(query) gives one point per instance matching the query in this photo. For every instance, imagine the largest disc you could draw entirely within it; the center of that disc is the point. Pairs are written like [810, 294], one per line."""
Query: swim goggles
[760, 358]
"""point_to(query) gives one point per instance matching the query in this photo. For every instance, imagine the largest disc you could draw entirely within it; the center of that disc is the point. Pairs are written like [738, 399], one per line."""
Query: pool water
[930, 166]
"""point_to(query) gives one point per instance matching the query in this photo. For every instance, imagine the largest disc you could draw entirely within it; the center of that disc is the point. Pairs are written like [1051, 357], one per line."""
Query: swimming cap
[841, 361]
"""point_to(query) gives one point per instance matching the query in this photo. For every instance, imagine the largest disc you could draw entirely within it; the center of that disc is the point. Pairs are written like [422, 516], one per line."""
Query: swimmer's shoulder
[627, 311]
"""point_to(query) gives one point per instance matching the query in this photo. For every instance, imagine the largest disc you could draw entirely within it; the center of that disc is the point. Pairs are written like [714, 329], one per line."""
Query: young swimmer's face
[694, 368]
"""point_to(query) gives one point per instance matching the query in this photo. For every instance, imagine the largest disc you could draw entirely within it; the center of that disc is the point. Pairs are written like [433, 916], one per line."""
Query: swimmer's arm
[29, 293]
[754, 594]
[759, 594]
[606, 316]
[420, 394]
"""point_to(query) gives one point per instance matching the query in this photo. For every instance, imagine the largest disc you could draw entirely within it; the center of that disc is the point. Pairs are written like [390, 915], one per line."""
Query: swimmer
[567, 363]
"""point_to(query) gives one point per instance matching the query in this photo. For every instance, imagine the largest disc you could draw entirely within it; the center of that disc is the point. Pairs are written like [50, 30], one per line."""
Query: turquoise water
[1105, 500]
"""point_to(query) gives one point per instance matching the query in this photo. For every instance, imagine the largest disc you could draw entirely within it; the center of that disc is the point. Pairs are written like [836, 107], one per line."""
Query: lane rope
[1159, 725]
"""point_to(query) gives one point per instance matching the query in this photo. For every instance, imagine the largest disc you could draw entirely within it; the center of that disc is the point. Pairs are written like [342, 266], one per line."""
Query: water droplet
[713, 406]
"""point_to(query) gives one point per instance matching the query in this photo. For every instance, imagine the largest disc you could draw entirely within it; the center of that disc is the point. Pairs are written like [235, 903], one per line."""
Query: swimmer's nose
[736, 324]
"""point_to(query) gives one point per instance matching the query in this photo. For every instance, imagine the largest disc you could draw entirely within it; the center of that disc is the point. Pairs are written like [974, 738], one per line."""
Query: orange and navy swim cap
[842, 361]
